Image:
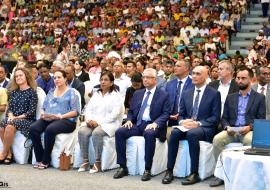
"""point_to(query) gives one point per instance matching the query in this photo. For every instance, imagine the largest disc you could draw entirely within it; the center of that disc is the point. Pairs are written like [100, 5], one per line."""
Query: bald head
[199, 76]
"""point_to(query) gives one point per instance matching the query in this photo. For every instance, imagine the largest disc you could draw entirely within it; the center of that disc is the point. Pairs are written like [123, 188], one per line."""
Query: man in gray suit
[263, 86]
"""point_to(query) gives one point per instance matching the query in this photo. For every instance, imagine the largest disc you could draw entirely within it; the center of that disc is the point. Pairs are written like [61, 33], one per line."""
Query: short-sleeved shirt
[61, 105]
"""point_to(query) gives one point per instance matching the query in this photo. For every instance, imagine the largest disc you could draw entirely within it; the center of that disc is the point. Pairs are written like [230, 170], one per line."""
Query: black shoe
[8, 161]
[191, 179]
[2, 161]
[167, 179]
[121, 172]
[216, 182]
[146, 175]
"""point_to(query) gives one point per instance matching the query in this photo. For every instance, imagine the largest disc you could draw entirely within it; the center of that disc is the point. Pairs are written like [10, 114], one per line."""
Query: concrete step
[247, 35]
[238, 47]
[249, 30]
[231, 52]
[256, 6]
[242, 39]
[255, 16]
[242, 43]
[256, 19]
[256, 12]
[252, 26]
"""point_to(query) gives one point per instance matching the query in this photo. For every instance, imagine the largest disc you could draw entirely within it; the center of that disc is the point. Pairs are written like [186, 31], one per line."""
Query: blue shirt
[61, 105]
[241, 110]
[45, 85]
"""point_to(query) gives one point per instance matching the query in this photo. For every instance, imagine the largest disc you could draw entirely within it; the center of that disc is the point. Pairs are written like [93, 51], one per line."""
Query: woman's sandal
[2, 161]
[8, 161]
[36, 165]
[43, 166]
[84, 167]
[95, 168]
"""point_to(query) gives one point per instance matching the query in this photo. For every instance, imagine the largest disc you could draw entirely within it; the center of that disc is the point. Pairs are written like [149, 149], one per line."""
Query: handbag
[66, 154]
[65, 161]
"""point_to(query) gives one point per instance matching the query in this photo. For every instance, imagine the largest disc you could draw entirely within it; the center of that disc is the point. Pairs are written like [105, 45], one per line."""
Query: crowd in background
[107, 50]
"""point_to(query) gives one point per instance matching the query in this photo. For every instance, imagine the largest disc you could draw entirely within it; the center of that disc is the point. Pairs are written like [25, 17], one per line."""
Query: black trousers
[265, 7]
[50, 129]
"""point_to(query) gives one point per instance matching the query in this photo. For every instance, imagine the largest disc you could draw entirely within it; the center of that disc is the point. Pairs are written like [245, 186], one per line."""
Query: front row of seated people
[150, 109]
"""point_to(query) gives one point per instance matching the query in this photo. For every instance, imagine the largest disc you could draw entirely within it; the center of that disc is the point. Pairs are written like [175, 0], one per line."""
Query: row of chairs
[135, 152]
[135, 155]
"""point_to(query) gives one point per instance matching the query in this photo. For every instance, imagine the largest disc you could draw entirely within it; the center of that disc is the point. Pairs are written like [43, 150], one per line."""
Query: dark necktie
[177, 98]
[142, 109]
[262, 90]
[196, 106]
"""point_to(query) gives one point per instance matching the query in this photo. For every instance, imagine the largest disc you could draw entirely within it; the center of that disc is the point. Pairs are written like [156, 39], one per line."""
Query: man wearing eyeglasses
[147, 117]
[263, 87]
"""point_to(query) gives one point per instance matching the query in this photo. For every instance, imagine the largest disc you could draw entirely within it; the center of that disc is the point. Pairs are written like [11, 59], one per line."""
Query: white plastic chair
[206, 160]
[135, 156]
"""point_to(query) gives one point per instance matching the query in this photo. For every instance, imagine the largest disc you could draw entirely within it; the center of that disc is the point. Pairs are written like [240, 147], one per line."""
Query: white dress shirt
[224, 90]
[2, 83]
[201, 94]
[146, 114]
[259, 89]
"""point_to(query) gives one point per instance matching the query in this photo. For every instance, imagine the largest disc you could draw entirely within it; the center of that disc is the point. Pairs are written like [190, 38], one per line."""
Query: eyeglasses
[148, 77]
[266, 74]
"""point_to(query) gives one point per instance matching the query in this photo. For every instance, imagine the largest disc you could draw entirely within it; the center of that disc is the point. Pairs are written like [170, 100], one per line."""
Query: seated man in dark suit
[147, 117]
[199, 115]
[74, 82]
[240, 110]
[175, 88]
[263, 86]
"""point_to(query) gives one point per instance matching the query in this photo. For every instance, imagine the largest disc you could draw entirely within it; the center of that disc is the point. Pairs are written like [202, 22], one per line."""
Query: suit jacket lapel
[203, 99]
[250, 100]
[174, 88]
[267, 97]
[256, 87]
[190, 102]
[153, 100]
[186, 84]
[235, 102]
[216, 84]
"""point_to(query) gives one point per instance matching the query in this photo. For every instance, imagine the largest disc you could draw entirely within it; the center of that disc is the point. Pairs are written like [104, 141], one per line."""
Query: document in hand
[181, 128]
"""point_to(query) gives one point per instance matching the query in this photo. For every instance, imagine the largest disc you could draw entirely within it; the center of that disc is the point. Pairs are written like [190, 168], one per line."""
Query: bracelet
[60, 115]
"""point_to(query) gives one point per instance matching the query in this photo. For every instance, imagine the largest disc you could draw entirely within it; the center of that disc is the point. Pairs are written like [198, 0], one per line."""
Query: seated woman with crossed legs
[21, 111]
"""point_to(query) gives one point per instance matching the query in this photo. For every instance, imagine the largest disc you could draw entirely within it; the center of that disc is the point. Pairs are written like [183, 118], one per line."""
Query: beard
[243, 86]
